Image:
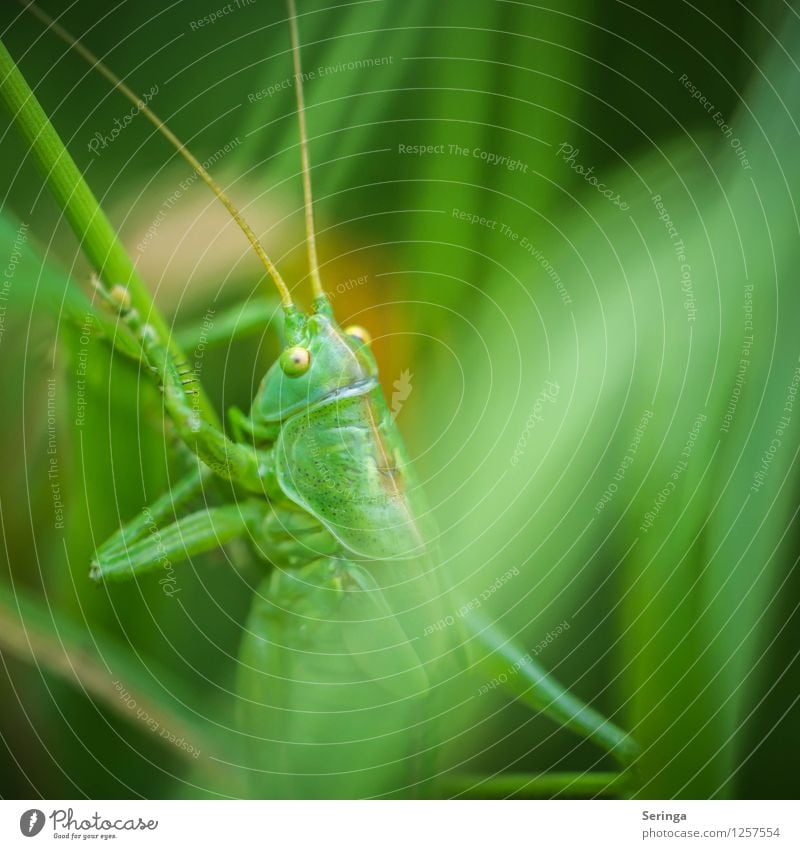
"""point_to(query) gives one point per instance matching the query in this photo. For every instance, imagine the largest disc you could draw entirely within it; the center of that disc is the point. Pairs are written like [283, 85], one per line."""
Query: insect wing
[376, 639]
[317, 718]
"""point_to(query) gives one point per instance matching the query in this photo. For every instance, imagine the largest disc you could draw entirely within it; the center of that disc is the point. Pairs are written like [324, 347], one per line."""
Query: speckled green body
[344, 462]
[335, 453]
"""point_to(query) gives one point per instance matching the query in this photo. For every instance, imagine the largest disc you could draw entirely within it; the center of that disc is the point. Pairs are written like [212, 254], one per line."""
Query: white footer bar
[410, 825]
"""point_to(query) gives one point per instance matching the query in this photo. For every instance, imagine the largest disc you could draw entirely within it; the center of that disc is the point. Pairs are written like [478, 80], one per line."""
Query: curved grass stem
[97, 237]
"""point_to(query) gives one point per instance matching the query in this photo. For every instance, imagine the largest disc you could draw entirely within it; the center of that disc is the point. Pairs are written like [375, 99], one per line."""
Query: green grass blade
[73, 195]
[105, 672]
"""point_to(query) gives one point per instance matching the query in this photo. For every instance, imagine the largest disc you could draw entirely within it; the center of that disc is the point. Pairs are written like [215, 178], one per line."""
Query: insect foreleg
[220, 328]
[228, 459]
[246, 430]
[193, 534]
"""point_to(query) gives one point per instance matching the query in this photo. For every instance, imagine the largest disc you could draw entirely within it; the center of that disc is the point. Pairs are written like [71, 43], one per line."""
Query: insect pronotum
[339, 695]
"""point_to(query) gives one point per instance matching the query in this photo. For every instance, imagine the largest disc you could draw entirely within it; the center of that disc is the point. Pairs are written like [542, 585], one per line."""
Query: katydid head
[320, 360]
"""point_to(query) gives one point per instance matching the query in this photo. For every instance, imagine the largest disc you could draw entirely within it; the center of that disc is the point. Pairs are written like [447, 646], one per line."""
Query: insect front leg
[245, 429]
[234, 323]
[239, 463]
[161, 547]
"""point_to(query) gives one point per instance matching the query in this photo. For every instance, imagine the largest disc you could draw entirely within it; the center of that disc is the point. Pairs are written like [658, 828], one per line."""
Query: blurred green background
[603, 385]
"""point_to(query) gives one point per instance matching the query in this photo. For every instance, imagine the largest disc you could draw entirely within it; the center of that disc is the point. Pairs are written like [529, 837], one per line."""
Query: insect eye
[295, 361]
[358, 332]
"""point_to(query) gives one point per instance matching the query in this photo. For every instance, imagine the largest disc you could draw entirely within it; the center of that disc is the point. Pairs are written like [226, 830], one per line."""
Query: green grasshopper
[339, 694]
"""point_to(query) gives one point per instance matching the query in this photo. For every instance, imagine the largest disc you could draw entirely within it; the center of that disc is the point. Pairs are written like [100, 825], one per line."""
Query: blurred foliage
[683, 627]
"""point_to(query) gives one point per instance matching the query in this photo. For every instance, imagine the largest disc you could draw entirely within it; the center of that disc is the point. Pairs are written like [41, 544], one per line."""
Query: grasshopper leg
[234, 323]
[239, 463]
[493, 654]
[162, 547]
[245, 429]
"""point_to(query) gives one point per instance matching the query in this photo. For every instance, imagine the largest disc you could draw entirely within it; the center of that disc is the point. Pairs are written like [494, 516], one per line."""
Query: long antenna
[308, 199]
[273, 272]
